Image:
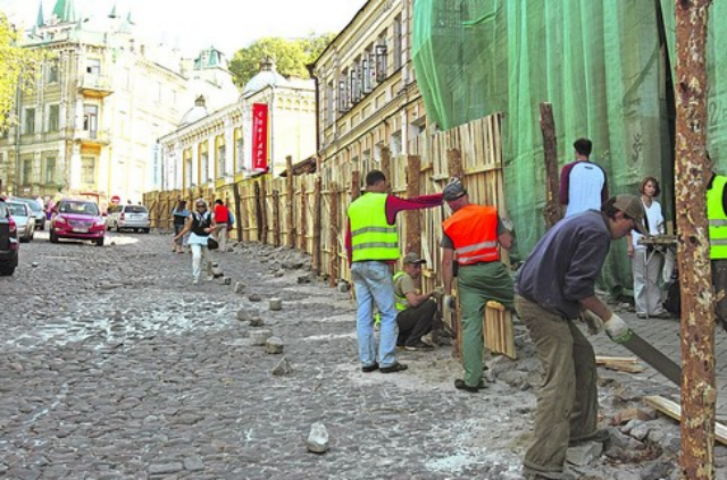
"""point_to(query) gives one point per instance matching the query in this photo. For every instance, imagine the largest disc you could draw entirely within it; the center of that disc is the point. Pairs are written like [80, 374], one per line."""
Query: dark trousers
[415, 322]
[719, 280]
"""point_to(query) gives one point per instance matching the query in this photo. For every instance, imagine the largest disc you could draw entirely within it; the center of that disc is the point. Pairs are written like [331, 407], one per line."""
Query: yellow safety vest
[717, 219]
[372, 237]
[401, 302]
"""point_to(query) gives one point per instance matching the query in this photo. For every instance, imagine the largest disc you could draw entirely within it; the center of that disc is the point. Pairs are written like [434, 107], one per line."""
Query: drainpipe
[16, 177]
[318, 126]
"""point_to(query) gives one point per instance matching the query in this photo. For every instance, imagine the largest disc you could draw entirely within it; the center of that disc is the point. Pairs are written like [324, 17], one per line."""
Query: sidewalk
[664, 335]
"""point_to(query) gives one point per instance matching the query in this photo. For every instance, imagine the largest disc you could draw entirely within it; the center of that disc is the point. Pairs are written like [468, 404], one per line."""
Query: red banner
[259, 137]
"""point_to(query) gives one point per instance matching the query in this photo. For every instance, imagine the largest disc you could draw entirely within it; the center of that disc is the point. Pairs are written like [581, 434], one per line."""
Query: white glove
[448, 302]
[594, 322]
[617, 329]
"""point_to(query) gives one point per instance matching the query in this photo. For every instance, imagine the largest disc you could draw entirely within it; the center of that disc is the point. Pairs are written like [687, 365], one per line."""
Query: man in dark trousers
[555, 285]
[416, 310]
[372, 243]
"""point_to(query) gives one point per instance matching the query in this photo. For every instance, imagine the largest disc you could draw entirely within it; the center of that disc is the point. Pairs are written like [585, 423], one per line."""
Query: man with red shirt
[222, 217]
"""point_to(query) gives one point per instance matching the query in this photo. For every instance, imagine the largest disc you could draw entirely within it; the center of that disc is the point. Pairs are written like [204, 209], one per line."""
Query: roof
[65, 10]
[267, 77]
[209, 58]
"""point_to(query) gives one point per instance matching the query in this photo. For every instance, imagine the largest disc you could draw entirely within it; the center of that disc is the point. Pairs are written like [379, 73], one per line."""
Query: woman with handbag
[201, 224]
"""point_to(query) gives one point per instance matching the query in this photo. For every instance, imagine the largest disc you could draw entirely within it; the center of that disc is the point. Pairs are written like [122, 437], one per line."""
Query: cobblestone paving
[114, 366]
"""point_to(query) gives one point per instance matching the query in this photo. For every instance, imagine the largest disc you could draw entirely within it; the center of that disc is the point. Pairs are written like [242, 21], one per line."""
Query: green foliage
[19, 66]
[291, 56]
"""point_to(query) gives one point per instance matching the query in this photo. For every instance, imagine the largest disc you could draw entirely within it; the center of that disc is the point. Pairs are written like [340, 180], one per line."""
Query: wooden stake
[264, 209]
[413, 217]
[552, 210]
[291, 203]
[276, 218]
[303, 218]
[317, 207]
[692, 173]
[355, 185]
[386, 166]
[258, 214]
[333, 235]
[454, 167]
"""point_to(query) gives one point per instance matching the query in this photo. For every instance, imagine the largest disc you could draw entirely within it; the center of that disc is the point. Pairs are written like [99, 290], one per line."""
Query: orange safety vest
[473, 230]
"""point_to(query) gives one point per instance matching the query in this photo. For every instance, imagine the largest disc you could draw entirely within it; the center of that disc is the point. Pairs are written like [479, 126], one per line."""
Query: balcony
[95, 86]
[92, 137]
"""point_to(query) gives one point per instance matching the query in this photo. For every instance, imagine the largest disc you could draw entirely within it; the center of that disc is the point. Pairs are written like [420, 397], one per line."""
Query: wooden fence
[308, 212]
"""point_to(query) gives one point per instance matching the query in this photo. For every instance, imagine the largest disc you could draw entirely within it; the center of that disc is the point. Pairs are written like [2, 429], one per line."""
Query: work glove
[616, 329]
[448, 302]
[594, 322]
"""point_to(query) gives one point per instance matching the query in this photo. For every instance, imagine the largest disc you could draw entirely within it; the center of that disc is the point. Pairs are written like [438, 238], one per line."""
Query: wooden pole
[386, 166]
[303, 218]
[317, 207]
[258, 213]
[238, 212]
[454, 166]
[413, 217]
[551, 212]
[264, 210]
[276, 218]
[692, 171]
[291, 203]
[355, 185]
[333, 235]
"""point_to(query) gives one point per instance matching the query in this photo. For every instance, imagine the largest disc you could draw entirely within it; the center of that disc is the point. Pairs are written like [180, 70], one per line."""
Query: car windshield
[34, 206]
[135, 209]
[3, 210]
[17, 209]
[81, 208]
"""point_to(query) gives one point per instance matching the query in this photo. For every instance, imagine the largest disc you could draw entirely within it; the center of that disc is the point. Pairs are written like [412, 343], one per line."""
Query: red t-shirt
[222, 215]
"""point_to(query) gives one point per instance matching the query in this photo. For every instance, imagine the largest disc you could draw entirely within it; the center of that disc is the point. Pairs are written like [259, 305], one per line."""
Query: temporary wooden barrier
[309, 211]
[498, 329]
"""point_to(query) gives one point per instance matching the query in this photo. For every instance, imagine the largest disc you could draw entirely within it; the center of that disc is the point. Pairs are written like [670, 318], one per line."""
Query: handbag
[212, 243]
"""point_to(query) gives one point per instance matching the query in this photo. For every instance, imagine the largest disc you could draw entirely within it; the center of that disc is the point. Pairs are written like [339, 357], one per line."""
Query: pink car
[79, 219]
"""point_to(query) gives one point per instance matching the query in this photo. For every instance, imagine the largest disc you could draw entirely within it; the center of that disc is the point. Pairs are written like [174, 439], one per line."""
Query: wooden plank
[333, 232]
[601, 359]
[386, 165]
[413, 217]
[317, 226]
[499, 337]
[264, 210]
[674, 410]
[303, 218]
[290, 203]
[624, 367]
[276, 217]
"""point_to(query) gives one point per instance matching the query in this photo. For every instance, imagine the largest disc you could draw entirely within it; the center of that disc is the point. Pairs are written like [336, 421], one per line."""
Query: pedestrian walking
[372, 243]
[647, 261]
[180, 214]
[471, 238]
[583, 184]
[555, 285]
[200, 224]
[222, 218]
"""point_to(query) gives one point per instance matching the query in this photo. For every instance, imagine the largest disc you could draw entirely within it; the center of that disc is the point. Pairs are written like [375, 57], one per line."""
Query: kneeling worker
[416, 310]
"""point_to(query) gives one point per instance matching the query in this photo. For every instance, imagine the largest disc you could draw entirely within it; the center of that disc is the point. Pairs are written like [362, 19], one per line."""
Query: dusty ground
[114, 366]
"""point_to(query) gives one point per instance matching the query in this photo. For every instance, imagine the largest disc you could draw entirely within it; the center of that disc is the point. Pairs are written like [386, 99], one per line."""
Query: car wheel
[7, 271]
[99, 242]
[53, 238]
[117, 228]
[145, 230]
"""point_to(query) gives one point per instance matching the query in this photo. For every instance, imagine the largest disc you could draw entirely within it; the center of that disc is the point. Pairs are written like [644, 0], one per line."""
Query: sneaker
[396, 367]
[210, 278]
[195, 281]
[428, 339]
[370, 368]
[419, 347]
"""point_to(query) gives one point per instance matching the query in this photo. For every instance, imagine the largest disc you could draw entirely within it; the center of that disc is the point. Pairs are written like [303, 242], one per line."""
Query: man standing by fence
[222, 218]
[372, 242]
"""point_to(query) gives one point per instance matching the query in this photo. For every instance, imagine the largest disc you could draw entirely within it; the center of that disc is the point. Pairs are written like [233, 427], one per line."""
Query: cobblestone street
[114, 366]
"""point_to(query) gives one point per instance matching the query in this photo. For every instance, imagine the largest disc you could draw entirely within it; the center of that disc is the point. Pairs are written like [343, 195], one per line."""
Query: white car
[24, 219]
[134, 217]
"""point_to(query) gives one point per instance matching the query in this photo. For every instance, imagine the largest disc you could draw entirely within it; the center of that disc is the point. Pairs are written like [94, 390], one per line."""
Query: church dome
[198, 112]
[268, 76]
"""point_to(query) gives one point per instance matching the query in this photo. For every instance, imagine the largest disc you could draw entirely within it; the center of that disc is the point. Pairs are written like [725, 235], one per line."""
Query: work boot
[531, 474]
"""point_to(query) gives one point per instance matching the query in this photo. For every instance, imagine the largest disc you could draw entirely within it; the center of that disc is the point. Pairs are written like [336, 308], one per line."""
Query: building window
[27, 171]
[90, 119]
[187, 156]
[53, 71]
[239, 151]
[343, 101]
[29, 124]
[381, 62]
[204, 163]
[50, 170]
[93, 66]
[395, 144]
[221, 161]
[330, 92]
[398, 50]
[53, 117]
[368, 67]
[88, 170]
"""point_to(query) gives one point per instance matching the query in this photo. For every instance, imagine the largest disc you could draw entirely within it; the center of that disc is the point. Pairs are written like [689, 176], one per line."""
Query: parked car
[134, 217]
[80, 219]
[24, 220]
[8, 241]
[36, 209]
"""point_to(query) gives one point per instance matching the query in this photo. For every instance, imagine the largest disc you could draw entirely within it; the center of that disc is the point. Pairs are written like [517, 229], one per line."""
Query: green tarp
[602, 65]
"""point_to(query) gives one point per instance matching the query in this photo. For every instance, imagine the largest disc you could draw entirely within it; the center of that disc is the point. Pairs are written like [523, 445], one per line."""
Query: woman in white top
[200, 223]
[647, 261]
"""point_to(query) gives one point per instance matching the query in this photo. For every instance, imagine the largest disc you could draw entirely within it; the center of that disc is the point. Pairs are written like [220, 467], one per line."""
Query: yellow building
[104, 97]
[213, 148]
[367, 92]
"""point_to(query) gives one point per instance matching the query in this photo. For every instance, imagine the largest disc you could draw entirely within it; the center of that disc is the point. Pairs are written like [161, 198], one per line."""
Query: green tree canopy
[291, 56]
[18, 66]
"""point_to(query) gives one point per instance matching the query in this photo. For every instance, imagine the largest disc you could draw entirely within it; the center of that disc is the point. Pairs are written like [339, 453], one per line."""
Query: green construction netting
[600, 64]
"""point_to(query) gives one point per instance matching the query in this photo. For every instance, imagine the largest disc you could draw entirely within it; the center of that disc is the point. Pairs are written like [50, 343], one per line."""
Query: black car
[8, 241]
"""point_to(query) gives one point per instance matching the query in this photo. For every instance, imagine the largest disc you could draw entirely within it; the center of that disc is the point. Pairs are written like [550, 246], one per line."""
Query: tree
[291, 56]
[20, 67]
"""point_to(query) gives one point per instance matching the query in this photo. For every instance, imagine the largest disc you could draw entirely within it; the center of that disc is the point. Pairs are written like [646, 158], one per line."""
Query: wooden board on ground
[498, 327]
[601, 359]
[674, 410]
